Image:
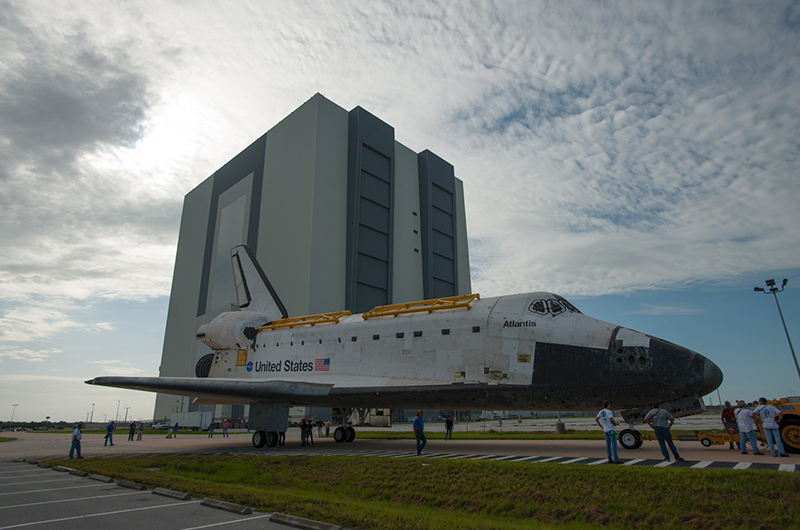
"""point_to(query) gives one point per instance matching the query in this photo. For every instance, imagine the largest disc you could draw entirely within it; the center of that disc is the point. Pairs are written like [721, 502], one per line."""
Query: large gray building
[338, 213]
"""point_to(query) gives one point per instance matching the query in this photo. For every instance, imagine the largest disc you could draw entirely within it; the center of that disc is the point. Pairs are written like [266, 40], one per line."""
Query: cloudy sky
[638, 158]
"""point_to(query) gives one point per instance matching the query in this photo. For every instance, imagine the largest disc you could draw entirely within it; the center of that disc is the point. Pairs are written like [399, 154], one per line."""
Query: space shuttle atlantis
[532, 351]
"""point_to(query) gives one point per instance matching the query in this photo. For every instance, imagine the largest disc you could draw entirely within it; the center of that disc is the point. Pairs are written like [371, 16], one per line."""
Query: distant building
[338, 213]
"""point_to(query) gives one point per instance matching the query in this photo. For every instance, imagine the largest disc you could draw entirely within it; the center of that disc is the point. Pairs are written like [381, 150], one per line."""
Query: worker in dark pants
[661, 422]
[730, 423]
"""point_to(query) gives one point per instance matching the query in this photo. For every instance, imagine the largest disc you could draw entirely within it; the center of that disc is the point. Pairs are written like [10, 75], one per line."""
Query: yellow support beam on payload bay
[310, 320]
[429, 306]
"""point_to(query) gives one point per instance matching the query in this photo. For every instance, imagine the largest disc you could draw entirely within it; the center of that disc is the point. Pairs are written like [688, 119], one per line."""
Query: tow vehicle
[789, 428]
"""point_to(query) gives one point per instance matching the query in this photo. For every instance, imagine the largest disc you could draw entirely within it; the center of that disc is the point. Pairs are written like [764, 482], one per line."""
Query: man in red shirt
[729, 421]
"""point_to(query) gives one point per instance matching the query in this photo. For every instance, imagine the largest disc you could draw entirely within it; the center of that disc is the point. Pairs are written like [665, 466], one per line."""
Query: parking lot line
[76, 499]
[235, 521]
[53, 489]
[182, 503]
[62, 479]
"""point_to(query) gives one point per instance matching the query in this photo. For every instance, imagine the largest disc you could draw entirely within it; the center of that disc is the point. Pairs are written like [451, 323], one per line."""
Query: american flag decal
[322, 365]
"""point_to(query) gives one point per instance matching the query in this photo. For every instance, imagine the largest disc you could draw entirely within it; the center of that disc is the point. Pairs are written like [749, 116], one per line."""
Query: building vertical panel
[437, 189]
[370, 187]
[250, 161]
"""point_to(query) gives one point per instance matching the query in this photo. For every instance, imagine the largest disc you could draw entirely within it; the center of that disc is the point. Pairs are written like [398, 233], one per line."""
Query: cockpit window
[539, 306]
[571, 308]
[557, 307]
[551, 306]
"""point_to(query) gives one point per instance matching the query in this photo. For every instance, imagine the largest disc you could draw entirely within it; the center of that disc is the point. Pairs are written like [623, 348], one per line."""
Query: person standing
[109, 433]
[605, 420]
[175, 430]
[327, 428]
[211, 430]
[225, 426]
[310, 432]
[730, 423]
[419, 432]
[303, 432]
[76, 441]
[745, 418]
[448, 428]
[661, 421]
[131, 431]
[769, 417]
[141, 431]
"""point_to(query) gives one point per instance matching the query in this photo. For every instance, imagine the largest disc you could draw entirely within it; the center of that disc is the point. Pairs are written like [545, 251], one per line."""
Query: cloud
[22, 354]
[36, 319]
[664, 310]
[62, 95]
[604, 149]
[76, 222]
[117, 367]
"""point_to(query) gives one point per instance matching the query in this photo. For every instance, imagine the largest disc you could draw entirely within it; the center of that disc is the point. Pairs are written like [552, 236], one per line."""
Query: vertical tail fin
[253, 289]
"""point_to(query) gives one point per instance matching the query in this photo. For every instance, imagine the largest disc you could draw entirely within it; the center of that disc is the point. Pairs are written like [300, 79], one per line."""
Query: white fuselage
[492, 342]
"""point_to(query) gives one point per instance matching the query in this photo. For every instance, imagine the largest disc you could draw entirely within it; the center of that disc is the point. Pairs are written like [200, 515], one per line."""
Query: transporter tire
[706, 442]
[630, 439]
[259, 439]
[272, 439]
[790, 435]
[339, 435]
[350, 434]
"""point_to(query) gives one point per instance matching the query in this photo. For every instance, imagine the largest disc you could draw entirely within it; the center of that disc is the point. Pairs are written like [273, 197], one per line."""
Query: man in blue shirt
[109, 433]
[419, 432]
[76, 441]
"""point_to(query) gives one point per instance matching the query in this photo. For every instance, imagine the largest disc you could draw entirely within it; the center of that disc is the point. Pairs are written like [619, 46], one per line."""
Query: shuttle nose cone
[712, 377]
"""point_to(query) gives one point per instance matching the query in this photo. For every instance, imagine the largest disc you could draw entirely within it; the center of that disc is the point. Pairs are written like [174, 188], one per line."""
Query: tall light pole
[15, 405]
[92, 416]
[116, 418]
[775, 290]
[126, 415]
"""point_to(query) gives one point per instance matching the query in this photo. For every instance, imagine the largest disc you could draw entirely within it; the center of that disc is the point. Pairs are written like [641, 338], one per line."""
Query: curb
[101, 478]
[299, 522]
[227, 506]
[174, 494]
[131, 485]
[78, 473]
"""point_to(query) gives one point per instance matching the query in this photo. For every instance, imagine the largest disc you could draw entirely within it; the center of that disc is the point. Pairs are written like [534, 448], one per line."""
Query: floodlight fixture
[774, 291]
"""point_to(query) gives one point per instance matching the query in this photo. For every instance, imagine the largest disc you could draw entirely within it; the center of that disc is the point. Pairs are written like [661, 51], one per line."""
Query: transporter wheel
[259, 439]
[790, 435]
[350, 434]
[706, 442]
[339, 434]
[272, 439]
[630, 439]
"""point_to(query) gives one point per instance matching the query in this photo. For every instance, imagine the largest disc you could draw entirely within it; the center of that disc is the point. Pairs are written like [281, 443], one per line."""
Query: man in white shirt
[769, 417]
[745, 418]
[76, 441]
[605, 419]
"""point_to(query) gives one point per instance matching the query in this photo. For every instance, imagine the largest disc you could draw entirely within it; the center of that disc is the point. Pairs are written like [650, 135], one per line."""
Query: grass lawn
[412, 493]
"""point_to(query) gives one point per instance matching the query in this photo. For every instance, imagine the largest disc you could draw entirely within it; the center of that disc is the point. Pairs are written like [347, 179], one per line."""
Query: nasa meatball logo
[250, 366]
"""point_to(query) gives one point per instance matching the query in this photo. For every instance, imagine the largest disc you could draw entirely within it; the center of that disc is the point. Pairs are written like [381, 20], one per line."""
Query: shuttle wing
[371, 392]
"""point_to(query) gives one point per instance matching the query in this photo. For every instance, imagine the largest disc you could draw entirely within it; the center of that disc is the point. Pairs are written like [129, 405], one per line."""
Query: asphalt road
[43, 445]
